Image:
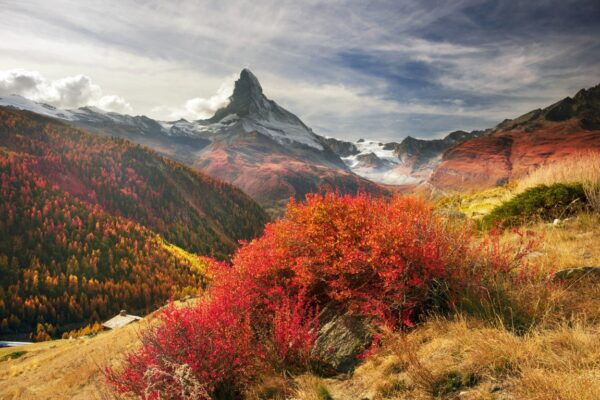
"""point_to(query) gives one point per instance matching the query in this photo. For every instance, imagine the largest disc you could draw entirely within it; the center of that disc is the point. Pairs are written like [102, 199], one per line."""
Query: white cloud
[69, 92]
[202, 108]
[114, 103]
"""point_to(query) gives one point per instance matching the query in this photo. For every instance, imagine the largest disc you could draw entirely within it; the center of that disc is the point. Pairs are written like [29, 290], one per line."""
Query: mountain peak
[247, 97]
[248, 82]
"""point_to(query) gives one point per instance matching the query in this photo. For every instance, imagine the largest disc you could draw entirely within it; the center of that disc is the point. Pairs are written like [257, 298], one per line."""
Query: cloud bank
[69, 92]
[382, 69]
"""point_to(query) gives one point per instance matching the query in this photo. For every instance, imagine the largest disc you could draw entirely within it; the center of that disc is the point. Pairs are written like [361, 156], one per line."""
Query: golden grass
[572, 243]
[66, 369]
[477, 204]
[70, 368]
[582, 167]
[443, 358]
[310, 387]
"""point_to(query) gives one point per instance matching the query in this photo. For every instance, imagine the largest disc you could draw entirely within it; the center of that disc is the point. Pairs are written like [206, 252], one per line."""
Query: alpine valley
[252, 143]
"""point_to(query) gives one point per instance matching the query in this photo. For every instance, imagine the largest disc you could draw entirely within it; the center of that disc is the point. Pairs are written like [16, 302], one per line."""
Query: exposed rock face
[421, 155]
[341, 148]
[340, 340]
[516, 147]
[370, 160]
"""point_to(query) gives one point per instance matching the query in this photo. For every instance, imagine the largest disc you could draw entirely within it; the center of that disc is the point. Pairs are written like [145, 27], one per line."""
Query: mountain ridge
[516, 147]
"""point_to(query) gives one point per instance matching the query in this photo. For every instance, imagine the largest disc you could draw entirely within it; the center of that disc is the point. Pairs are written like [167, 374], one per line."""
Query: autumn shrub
[217, 347]
[389, 260]
[380, 257]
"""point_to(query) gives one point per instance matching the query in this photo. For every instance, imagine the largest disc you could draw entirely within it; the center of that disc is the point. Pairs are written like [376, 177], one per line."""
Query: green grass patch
[477, 204]
[323, 393]
[13, 355]
[538, 203]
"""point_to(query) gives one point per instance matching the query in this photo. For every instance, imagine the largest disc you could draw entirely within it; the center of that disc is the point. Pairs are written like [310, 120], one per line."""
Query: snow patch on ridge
[22, 103]
[392, 174]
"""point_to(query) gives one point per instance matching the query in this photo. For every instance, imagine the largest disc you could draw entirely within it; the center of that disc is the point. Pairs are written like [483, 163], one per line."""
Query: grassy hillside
[479, 358]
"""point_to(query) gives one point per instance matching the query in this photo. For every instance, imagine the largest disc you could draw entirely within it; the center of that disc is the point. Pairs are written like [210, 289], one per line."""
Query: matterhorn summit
[250, 110]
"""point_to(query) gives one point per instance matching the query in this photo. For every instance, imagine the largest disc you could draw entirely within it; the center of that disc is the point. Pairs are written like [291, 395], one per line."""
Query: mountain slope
[252, 143]
[64, 261]
[516, 147]
[80, 218]
[189, 209]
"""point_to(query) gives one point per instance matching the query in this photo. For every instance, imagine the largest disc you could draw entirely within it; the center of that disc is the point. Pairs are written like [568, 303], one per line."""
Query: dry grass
[69, 368]
[445, 358]
[581, 168]
[65, 369]
[310, 387]
[572, 243]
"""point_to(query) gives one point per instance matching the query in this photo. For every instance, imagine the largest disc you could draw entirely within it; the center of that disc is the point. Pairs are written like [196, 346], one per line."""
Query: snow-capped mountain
[373, 160]
[251, 111]
[409, 162]
[252, 142]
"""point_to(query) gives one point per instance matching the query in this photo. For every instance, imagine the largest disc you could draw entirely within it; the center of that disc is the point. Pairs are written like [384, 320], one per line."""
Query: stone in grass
[341, 339]
[572, 274]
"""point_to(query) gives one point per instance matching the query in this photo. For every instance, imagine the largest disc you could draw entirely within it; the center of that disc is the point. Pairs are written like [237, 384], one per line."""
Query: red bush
[375, 256]
[216, 347]
[379, 257]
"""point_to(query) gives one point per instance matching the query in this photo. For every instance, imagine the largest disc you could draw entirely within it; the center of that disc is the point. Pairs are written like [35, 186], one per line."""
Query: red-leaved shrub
[387, 259]
[380, 257]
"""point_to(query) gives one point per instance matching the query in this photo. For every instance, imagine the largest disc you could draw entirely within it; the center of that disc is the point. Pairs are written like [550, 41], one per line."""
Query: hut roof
[120, 320]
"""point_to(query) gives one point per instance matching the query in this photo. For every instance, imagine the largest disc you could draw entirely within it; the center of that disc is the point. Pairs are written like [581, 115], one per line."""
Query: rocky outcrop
[341, 339]
[342, 148]
[370, 160]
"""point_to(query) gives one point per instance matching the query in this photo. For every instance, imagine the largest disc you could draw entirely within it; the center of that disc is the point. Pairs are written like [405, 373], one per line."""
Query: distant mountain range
[409, 162]
[252, 143]
[272, 155]
[472, 160]
[516, 147]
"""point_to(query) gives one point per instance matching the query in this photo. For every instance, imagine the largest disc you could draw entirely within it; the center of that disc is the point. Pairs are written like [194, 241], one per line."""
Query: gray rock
[572, 274]
[340, 340]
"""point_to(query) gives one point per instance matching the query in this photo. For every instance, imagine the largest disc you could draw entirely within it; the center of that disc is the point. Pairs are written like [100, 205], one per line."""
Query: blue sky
[349, 69]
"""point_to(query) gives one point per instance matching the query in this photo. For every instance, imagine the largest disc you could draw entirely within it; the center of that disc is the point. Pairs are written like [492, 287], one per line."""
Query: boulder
[341, 339]
[572, 274]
